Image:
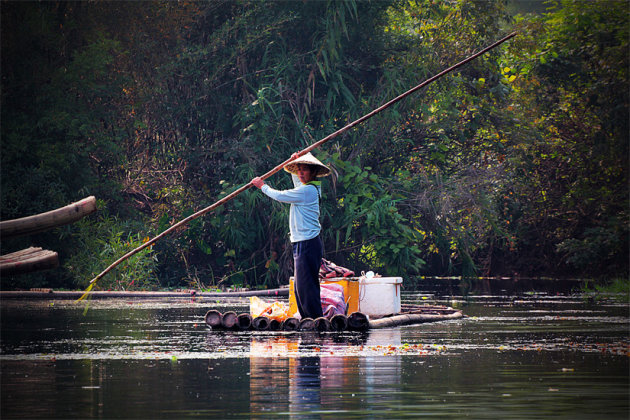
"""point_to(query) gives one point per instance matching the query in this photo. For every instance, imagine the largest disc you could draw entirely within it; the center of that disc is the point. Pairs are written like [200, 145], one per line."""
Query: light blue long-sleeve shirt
[304, 211]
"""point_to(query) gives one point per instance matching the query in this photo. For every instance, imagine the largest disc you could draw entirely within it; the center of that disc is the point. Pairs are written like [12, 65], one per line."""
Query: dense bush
[516, 163]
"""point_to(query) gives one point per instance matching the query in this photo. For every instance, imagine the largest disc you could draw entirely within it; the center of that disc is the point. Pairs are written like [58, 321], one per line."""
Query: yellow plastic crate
[350, 292]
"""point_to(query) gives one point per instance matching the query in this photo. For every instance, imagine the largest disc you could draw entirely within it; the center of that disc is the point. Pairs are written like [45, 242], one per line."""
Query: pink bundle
[329, 269]
[332, 297]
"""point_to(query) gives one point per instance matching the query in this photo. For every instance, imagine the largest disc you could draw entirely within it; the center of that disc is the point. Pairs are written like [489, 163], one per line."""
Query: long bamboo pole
[302, 152]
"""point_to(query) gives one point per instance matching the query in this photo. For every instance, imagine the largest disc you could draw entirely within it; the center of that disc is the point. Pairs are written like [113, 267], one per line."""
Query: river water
[520, 357]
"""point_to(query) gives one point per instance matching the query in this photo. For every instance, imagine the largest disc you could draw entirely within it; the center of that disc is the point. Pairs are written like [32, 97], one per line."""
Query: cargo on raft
[356, 321]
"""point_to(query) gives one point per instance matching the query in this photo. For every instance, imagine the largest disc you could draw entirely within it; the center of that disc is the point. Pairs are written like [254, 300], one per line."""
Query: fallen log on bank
[27, 261]
[35, 259]
[51, 219]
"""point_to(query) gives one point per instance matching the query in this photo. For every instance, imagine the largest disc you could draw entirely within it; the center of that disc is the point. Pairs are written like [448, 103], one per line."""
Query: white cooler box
[379, 296]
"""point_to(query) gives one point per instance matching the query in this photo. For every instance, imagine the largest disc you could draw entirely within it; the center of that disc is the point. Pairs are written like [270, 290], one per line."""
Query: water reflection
[289, 384]
[375, 373]
[303, 375]
[304, 386]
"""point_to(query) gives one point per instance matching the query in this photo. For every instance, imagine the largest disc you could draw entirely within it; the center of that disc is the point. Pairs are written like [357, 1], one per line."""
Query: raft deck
[357, 321]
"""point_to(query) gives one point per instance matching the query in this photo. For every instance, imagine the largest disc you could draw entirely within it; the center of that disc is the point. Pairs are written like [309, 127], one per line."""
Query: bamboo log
[284, 291]
[290, 324]
[244, 321]
[229, 320]
[339, 322]
[427, 309]
[358, 321]
[213, 318]
[274, 325]
[44, 221]
[299, 154]
[261, 323]
[306, 324]
[406, 319]
[323, 324]
[410, 307]
[119, 294]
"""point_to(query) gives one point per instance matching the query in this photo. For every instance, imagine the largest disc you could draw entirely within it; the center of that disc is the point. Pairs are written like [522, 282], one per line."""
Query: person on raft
[304, 228]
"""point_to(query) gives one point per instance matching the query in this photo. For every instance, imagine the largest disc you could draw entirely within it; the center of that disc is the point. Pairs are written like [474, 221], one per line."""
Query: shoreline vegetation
[515, 165]
[618, 289]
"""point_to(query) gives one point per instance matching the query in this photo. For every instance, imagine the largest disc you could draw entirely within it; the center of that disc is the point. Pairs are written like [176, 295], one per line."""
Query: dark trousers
[307, 258]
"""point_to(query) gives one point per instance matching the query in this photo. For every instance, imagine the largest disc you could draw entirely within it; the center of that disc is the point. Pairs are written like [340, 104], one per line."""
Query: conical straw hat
[308, 159]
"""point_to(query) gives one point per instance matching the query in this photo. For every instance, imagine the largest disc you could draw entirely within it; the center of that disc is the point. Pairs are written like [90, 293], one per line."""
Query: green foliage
[617, 289]
[448, 149]
[62, 134]
[517, 162]
[572, 180]
[366, 225]
[100, 242]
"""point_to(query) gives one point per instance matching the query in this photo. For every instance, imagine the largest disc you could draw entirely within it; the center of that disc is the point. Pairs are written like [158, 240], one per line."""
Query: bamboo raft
[357, 321]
